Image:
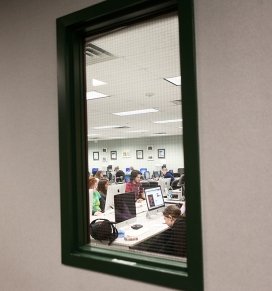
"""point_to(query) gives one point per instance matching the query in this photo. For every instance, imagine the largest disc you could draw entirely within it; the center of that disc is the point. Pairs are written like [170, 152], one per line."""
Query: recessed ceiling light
[142, 111]
[95, 95]
[107, 126]
[98, 83]
[168, 121]
[174, 80]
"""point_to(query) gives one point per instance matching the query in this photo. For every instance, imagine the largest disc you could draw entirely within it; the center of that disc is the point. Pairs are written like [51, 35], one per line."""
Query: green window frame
[76, 250]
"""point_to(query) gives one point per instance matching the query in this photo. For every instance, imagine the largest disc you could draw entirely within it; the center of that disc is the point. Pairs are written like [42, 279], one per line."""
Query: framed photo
[150, 158]
[139, 154]
[126, 154]
[104, 150]
[113, 155]
[96, 156]
[150, 148]
[161, 153]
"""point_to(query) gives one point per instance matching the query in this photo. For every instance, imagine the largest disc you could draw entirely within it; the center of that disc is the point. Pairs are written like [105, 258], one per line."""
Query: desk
[152, 226]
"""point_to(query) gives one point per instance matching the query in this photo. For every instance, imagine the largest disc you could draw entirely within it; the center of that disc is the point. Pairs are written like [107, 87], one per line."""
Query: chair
[143, 170]
[175, 184]
[181, 170]
[94, 170]
[176, 175]
[146, 175]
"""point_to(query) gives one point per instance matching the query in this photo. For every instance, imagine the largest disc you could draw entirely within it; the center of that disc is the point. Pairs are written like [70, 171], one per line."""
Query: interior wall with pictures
[173, 146]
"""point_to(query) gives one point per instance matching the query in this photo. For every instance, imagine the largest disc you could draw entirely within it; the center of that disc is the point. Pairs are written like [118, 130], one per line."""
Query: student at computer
[173, 240]
[135, 186]
[93, 183]
[119, 174]
[102, 188]
[99, 174]
[167, 174]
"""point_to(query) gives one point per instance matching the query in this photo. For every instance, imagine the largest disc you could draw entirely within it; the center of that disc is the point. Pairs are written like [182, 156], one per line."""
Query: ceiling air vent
[95, 54]
[121, 127]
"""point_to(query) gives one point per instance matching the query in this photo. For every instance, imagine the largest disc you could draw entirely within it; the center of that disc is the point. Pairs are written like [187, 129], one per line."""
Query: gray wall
[234, 56]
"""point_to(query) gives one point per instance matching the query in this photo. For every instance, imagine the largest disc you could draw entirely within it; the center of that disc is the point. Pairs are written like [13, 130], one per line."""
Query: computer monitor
[124, 206]
[156, 174]
[154, 198]
[113, 189]
[165, 185]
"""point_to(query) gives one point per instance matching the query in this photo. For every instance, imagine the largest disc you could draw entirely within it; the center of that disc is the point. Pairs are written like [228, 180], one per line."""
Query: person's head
[99, 174]
[103, 186]
[135, 176]
[116, 169]
[170, 214]
[93, 183]
[164, 170]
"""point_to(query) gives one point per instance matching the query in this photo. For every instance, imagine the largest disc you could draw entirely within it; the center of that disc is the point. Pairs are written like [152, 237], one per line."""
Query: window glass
[135, 140]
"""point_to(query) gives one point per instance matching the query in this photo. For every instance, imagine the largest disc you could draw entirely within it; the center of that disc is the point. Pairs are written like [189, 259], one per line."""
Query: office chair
[94, 170]
[147, 175]
[181, 170]
[175, 184]
[143, 170]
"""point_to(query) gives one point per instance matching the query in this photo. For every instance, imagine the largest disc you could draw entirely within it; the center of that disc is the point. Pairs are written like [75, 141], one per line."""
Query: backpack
[103, 229]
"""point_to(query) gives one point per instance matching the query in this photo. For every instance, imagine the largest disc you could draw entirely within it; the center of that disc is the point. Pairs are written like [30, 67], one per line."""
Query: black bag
[103, 229]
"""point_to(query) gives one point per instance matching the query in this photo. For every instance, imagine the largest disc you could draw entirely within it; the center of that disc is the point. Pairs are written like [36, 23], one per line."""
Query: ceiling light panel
[168, 121]
[174, 80]
[95, 95]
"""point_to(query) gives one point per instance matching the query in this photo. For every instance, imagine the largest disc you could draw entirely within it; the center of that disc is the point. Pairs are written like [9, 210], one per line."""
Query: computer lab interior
[134, 109]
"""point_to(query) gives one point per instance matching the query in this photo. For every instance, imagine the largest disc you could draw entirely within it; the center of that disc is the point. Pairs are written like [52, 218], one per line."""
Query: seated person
[173, 240]
[135, 186]
[119, 175]
[102, 188]
[93, 182]
[99, 174]
[167, 174]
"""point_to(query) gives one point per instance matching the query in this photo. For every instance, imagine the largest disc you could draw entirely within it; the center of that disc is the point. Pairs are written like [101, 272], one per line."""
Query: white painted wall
[173, 146]
[234, 55]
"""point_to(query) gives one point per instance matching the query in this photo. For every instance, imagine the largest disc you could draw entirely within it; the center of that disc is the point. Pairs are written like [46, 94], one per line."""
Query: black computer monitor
[154, 198]
[156, 174]
[124, 206]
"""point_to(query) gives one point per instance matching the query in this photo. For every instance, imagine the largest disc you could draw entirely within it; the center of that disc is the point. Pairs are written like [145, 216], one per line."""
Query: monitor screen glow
[154, 198]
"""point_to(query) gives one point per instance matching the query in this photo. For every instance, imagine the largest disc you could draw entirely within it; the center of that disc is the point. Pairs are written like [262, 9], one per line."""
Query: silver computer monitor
[154, 198]
[165, 185]
[113, 189]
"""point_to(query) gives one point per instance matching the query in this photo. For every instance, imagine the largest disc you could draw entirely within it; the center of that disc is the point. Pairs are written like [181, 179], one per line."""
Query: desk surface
[151, 226]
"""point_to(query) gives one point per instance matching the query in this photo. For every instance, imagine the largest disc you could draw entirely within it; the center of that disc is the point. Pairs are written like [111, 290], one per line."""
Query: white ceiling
[144, 54]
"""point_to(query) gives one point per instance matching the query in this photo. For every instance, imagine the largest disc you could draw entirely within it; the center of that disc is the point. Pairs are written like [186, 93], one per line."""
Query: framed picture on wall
[95, 156]
[113, 155]
[150, 158]
[139, 154]
[161, 153]
[150, 148]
